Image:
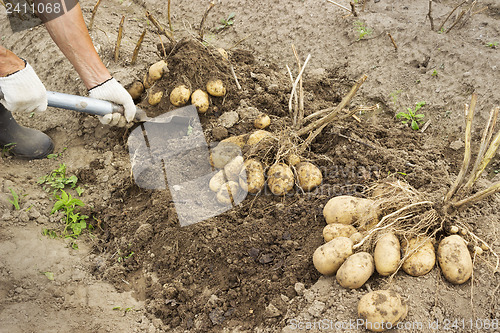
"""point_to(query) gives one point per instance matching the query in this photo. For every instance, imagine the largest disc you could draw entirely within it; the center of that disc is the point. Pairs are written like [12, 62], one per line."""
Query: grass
[6, 148]
[411, 116]
[15, 199]
[362, 30]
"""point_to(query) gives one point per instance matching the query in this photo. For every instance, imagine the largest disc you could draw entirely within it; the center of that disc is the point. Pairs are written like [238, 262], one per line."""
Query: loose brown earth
[249, 269]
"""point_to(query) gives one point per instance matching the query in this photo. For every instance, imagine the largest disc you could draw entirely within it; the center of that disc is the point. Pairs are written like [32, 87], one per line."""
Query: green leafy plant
[227, 22]
[75, 222]
[395, 95]
[6, 148]
[56, 155]
[434, 73]
[493, 45]
[411, 116]
[362, 30]
[57, 179]
[15, 199]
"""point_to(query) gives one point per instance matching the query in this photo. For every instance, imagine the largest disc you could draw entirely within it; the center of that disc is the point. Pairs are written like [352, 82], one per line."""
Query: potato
[155, 98]
[262, 121]
[356, 237]
[280, 179]
[387, 254]
[334, 230]
[199, 98]
[147, 81]
[227, 192]
[258, 136]
[423, 260]
[136, 89]
[252, 177]
[233, 168]
[346, 210]
[293, 159]
[180, 95]
[356, 270]
[157, 70]
[330, 256]
[454, 259]
[223, 153]
[216, 88]
[309, 176]
[217, 181]
[239, 140]
[381, 310]
[223, 53]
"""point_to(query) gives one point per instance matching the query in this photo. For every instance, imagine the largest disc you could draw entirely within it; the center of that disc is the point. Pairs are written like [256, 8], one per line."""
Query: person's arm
[9, 62]
[70, 34]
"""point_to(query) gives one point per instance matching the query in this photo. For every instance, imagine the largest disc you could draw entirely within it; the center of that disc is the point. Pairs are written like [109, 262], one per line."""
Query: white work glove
[114, 92]
[23, 91]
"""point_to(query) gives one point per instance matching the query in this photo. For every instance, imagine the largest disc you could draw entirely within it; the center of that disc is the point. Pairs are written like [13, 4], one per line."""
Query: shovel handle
[79, 103]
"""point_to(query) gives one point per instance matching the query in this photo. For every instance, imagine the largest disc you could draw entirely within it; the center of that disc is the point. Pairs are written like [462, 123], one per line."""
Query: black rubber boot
[22, 142]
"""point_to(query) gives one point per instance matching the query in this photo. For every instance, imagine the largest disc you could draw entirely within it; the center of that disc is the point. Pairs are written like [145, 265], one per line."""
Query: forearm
[70, 34]
[9, 62]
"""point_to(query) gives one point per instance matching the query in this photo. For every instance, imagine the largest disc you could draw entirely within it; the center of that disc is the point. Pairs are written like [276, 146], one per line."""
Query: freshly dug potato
[155, 98]
[157, 70]
[262, 121]
[356, 270]
[280, 179]
[387, 254]
[147, 81]
[252, 177]
[239, 140]
[136, 89]
[423, 260]
[223, 53]
[454, 259]
[216, 88]
[334, 230]
[309, 176]
[227, 192]
[356, 237]
[346, 210]
[258, 136]
[293, 159]
[199, 98]
[180, 95]
[381, 310]
[233, 168]
[330, 256]
[217, 181]
[223, 153]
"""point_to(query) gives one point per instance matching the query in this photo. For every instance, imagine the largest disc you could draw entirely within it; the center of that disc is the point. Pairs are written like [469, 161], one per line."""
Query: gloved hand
[23, 91]
[113, 91]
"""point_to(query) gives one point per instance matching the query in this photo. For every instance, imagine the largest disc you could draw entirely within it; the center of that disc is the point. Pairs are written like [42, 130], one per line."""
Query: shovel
[168, 150]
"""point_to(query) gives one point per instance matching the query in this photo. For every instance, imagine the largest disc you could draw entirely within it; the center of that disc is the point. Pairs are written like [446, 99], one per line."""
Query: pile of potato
[353, 270]
[180, 95]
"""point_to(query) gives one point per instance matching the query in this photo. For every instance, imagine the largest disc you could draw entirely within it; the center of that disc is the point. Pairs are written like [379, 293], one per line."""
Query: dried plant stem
[169, 17]
[451, 13]
[119, 39]
[374, 230]
[137, 48]
[478, 196]
[353, 9]
[239, 42]
[490, 153]
[299, 115]
[158, 26]
[469, 114]
[328, 118]
[296, 97]
[94, 11]
[202, 23]
[162, 46]
[429, 14]
[456, 21]
[485, 141]
[339, 5]
[297, 80]
[393, 41]
[235, 77]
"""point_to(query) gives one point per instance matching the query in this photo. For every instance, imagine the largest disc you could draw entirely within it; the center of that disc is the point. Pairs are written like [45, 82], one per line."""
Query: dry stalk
[339, 5]
[94, 11]
[353, 9]
[299, 115]
[137, 48]
[328, 118]
[478, 196]
[429, 14]
[296, 99]
[235, 77]
[393, 41]
[119, 39]
[451, 13]
[202, 23]
[462, 13]
[169, 17]
[469, 114]
[160, 28]
[295, 84]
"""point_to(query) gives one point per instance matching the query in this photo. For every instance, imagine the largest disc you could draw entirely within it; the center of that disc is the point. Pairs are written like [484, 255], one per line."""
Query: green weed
[15, 199]
[492, 45]
[395, 95]
[434, 73]
[226, 23]
[6, 148]
[411, 116]
[362, 30]
[75, 222]
[57, 180]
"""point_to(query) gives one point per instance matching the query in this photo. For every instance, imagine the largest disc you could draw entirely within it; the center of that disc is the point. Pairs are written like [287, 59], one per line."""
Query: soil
[249, 268]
